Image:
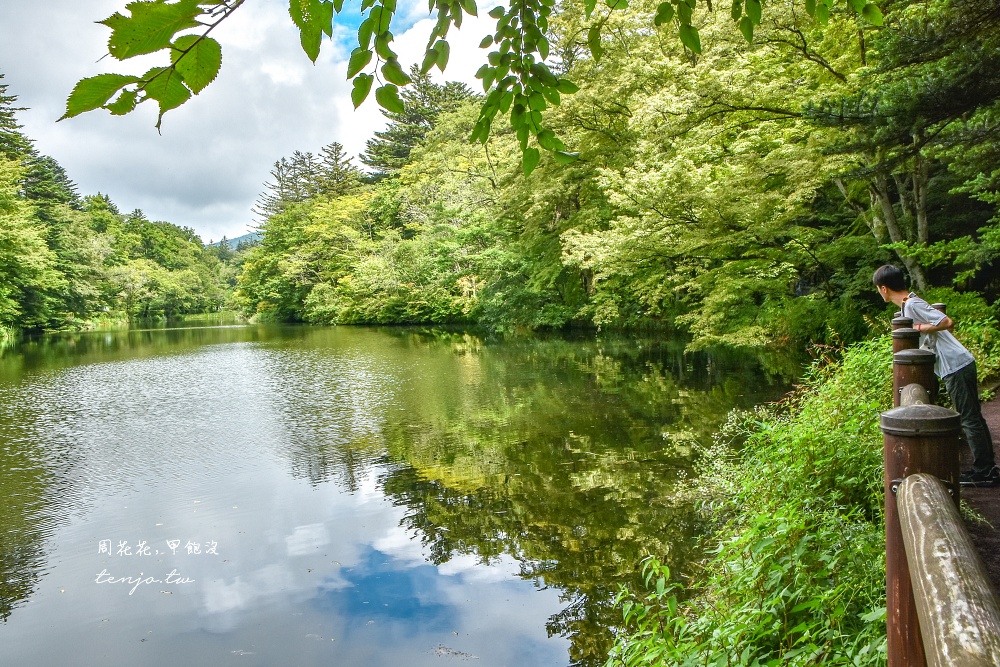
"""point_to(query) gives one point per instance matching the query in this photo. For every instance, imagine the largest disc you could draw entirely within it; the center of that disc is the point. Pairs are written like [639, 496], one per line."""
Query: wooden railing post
[913, 367]
[905, 338]
[916, 438]
[958, 611]
[901, 322]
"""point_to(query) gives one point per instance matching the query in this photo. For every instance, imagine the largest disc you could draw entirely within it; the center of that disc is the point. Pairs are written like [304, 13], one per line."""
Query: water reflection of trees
[23, 491]
[562, 454]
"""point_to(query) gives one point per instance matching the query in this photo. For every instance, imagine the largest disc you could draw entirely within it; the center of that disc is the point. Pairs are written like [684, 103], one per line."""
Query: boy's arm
[945, 324]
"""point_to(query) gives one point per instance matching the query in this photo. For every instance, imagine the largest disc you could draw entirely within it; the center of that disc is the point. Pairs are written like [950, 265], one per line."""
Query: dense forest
[742, 195]
[72, 262]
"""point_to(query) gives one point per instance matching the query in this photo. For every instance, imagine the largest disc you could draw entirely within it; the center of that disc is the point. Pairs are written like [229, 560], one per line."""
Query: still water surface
[253, 495]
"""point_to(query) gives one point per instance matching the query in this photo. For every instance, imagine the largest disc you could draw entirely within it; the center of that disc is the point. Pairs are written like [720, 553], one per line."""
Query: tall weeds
[795, 573]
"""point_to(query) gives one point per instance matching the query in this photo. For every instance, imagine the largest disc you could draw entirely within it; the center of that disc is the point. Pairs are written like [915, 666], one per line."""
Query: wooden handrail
[958, 611]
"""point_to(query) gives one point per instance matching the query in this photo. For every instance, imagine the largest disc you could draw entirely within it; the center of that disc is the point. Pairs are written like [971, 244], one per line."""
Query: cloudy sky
[207, 167]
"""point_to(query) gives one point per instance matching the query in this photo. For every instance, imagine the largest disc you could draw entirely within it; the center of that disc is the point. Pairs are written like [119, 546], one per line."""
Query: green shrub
[796, 571]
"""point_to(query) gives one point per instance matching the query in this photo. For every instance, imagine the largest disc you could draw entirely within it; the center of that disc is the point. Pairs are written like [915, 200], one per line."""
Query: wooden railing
[940, 605]
[957, 609]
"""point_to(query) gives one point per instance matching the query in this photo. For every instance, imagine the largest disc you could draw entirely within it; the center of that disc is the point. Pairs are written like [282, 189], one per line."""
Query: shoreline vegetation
[794, 569]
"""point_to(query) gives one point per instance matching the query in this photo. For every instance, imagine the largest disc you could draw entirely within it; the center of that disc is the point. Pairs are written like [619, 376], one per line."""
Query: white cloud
[307, 539]
[207, 167]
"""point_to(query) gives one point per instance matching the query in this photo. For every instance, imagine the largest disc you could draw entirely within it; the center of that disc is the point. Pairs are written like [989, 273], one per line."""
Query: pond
[255, 495]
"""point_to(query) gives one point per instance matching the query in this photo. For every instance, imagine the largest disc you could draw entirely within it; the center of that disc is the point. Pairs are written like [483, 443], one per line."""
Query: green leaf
[872, 14]
[873, 616]
[430, 58]
[359, 60]
[487, 74]
[552, 95]
[477, 131]
[594, 42]
[529, 160]
[543, 47]
[562, 157]
[857, 5]
[308, 15]
[94, 92]
[381, 18]
[311, 41]
[443, 51]
[497, 12]
[387, 97]
[197, 60]
[517, 118]
[393, 73]
[506, 101]
[150, 28]
[124, 104]
[684, 13]
[754, 11]
[746, 27]
[325, 17]
[664, 13]
[566, 86]
[486, 43]
[737, 10]
[690, 38]
[811, 7]
[362, 86]
[548, 140]
[338, 6]
[617, 4]
[382, 46]
[542, 72]
[822, 13]
[522, 136]
[589, 6]
[470, 7]
[166, 87]
[365, 33]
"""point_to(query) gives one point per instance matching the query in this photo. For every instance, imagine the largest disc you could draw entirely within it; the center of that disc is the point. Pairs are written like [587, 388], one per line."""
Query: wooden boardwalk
[987, 502]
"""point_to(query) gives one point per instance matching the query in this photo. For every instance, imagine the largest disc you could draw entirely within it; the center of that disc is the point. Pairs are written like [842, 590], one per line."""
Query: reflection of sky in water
[302, 574]
[379, 589]
[310, 457]
[198, 447]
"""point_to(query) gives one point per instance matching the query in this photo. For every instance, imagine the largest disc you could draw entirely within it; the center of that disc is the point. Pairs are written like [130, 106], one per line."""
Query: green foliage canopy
[517, 81]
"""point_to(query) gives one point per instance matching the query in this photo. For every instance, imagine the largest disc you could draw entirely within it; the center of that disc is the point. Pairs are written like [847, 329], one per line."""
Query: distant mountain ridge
[246, 238]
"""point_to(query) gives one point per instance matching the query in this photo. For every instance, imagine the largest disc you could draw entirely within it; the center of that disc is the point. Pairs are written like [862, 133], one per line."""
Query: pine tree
[423, 101]
[304, 176]
[46, 182]
[337, 176]
[13, 144]
[278, 192]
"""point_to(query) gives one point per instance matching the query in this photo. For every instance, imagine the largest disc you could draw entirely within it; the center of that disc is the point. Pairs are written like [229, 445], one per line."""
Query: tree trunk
[868, 214]
[882, 197]
[921, 176]
[905, 186]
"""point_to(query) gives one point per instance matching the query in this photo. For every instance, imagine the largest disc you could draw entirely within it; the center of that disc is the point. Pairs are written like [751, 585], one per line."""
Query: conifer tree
[14, 145]
[338, 175]
[423, 102]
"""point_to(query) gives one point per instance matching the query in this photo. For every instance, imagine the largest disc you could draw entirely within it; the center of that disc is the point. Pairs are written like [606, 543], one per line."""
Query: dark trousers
[963, 388]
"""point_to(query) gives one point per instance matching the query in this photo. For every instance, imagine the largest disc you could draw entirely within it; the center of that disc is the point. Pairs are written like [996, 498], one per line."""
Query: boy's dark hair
[890, 276]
